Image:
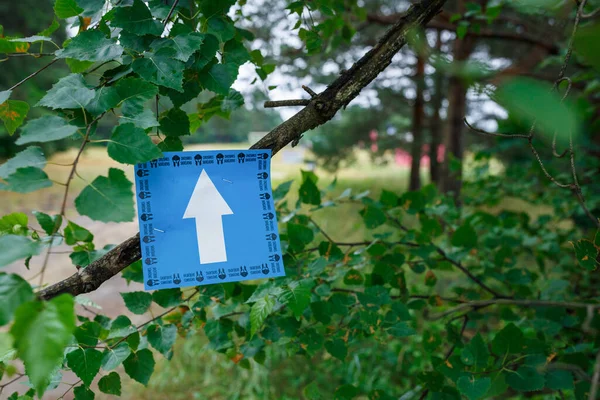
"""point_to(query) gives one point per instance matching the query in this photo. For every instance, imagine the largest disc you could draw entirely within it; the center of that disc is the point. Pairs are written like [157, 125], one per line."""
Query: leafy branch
[321, 109]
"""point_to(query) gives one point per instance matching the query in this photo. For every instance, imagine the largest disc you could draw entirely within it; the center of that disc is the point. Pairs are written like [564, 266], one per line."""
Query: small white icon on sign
[208, 207]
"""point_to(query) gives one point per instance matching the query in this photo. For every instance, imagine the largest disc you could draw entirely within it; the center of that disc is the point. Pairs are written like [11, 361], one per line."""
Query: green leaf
[162, 338]
[14, 223]
[90, 7]
[346, 392]
[401, 329]
[134, 93]
[13, 113]
[235, 52]
[509, 340]
[184, 44]
[219, 77]
[105, 98]
[299, 236]
[110, 384]
[586, 254]
[259, 313]
[461, 29]
[167, 297]
[297, 296]
[51, 29]
[353, 277]
[373, 216]
[145, 120]
[207, 52]
[87, 333]
[211, 8]
[49, 224]
[282, 190]
[175, 123]
[465, 236]
[222, 27]
[46, 129]
[140, 366]
[136, 19]
[586, 44]
[13, 248]
[66, 8]
[41, 332]
[83, 393]
[84, 258]
[337, 348]
[77, 66]
[309, 192]
[525, 379]
[70, 92]
[107, 199]
[113, 357]
[479, 351]
[131, 145]
[134, 273]
[75, 233]
[531, 101]
[85, 363]
[161, 68]
[32, 156]
[171, 143]
[558, 379]
[91, 45]
[26, 180]
[473, 388]
[137, 302]
[14, 291]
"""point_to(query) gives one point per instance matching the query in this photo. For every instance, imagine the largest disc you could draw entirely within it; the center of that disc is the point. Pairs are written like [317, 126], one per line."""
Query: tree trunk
[457, 107]
[436, 122]
[417, 128]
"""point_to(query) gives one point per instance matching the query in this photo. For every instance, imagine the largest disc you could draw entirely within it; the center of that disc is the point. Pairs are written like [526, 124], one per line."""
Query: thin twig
[308, 90]
[486, 133]
[70, 388]
[449, 352]
[511, 302]
[591, 14]
[35, 55]
[16, 85]
[595, 388]
[170, 13]
[63, 206]
[457, 264]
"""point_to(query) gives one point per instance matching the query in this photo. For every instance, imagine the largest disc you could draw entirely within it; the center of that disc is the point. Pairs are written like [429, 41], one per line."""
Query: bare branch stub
[286, 103]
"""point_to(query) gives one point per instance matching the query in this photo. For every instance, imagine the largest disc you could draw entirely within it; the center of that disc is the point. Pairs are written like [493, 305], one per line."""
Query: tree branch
[320, 109]
[511, 302]
[441, 25]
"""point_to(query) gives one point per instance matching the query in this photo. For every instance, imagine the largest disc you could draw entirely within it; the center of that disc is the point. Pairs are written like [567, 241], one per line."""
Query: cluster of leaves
[398, 289]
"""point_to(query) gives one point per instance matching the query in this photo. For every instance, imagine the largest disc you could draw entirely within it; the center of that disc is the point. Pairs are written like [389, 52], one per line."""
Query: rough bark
[417, 125]
[436, 121]
[320, 110]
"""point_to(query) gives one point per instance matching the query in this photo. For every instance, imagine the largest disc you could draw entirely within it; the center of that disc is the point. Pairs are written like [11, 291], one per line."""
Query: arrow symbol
[207, 207]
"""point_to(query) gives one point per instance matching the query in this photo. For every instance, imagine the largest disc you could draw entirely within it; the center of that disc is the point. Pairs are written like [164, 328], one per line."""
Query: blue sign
[207, 217]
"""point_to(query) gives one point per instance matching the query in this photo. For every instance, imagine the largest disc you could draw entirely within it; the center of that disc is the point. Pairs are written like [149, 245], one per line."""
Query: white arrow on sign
[207, 206]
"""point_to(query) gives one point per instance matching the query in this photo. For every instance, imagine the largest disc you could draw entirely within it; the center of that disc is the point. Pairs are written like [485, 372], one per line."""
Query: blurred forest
[439, 231]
